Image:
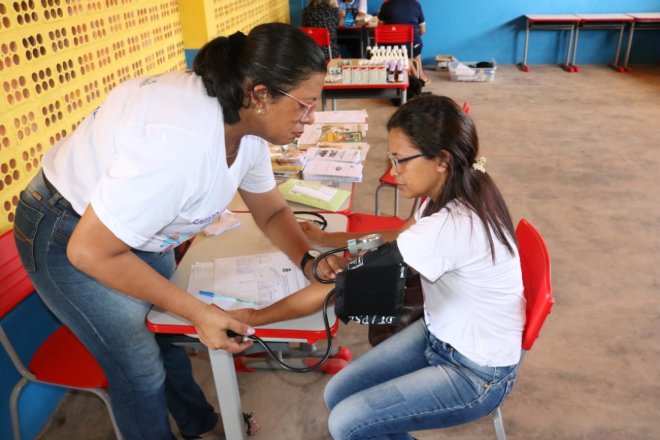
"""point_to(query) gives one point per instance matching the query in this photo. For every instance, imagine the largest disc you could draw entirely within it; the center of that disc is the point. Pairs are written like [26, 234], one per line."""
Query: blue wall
[477, 30]
[27, 326]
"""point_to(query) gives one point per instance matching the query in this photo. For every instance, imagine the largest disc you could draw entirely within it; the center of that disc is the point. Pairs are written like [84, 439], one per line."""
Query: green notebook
[314, 194]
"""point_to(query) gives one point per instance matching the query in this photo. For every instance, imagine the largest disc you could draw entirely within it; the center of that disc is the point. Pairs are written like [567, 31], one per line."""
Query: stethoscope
[313, 217]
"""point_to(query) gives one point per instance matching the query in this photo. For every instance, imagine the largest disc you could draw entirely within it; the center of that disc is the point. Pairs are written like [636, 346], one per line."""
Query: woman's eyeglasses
[308, 107]
[397, 161]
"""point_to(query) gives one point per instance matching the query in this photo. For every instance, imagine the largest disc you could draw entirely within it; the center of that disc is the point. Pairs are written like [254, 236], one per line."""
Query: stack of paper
[363, 147]
[334, 154]
[253, 281]
[332, 171]
[314, 194]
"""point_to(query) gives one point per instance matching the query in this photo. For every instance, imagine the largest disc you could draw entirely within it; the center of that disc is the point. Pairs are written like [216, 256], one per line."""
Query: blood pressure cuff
[372, 289]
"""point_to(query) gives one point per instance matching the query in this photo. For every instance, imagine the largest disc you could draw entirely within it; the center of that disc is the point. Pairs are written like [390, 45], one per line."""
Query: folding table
[247, 239]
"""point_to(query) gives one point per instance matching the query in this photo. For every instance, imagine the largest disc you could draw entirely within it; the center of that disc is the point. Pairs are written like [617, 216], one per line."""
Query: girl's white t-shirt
[151, 161]
[470, 302]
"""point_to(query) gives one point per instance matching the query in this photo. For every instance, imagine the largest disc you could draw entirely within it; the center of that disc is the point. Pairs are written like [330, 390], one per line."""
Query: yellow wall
[203, 20]
[59, 58]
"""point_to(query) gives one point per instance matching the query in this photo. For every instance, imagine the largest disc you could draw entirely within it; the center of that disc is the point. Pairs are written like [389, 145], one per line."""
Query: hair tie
[480, 165]
[236, 43]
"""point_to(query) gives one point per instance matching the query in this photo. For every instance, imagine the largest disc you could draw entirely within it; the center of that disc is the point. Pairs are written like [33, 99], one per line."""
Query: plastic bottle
[391, 72]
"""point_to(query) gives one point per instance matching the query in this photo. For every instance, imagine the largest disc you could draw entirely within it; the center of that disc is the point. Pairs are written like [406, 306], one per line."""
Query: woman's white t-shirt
[151, 161]
[470, 302]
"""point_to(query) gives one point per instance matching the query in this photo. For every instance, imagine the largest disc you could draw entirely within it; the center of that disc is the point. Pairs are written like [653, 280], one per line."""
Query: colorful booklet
[314, 194]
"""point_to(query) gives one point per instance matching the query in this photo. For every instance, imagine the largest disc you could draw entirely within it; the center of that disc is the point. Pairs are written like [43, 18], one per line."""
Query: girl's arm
[319, 237]
[301, 303]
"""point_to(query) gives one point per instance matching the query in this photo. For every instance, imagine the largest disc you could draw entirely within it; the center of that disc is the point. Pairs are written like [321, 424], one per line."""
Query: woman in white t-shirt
[460, 361]
[151, 167]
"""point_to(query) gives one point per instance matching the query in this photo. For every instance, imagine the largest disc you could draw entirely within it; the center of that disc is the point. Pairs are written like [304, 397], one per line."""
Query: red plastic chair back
[394, 34]
[15, 285]
[535, 263]
[320, 35]
[388, 178]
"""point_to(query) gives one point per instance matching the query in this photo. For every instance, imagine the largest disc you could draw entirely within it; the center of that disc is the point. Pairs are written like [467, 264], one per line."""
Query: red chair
[61, 360]
[321, 36]
[389, 34]
[535, 263]
[397, 34]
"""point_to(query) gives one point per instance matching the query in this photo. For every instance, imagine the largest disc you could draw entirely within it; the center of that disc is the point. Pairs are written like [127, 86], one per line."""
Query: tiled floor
[579, 156]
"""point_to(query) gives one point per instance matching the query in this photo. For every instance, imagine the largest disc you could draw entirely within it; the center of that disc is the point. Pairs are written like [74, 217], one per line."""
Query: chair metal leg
[499, 424]
[13, 407]
[103, 395]
[396, 198]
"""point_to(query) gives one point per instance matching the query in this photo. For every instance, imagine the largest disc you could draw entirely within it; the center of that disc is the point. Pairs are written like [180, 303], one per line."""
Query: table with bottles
[383, 75]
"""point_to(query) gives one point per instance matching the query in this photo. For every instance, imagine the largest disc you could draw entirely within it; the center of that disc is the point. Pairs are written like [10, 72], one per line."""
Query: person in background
[352, 11]
[460, 361]
[323, 13]
[151, 167]
[407, 12]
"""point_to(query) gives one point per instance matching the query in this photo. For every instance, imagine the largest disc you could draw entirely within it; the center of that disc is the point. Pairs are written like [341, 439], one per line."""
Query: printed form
[253, 281]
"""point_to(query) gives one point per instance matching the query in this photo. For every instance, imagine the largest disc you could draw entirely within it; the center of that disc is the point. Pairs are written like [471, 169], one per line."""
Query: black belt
[49, 185]
[64, 203]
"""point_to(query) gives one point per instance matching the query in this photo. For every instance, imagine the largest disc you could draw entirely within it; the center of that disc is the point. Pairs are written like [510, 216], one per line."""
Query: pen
[227, 298]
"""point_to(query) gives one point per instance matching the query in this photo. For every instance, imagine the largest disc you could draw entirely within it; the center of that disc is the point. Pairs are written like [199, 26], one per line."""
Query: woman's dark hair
[439, 127]
[277, 55]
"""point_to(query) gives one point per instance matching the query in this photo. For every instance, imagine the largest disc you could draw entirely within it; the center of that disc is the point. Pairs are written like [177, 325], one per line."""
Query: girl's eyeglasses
[308, 107]
[396, 161]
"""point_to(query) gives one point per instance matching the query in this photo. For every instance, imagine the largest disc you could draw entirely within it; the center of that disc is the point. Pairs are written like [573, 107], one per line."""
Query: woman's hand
[212, 323]
[313, 232]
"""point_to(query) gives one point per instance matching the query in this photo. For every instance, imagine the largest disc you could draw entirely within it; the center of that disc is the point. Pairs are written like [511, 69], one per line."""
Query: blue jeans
[147, 376]
[411, 382]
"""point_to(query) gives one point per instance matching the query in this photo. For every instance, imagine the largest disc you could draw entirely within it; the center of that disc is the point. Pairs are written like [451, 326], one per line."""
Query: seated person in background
[352, 11]
[323, 13]
[407, 12]
[460, 361]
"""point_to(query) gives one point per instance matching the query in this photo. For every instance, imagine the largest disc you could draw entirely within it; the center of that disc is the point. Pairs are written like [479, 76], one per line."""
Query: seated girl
[460, 361]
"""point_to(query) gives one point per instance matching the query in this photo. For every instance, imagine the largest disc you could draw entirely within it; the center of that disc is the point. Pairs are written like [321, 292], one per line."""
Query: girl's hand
[244, 315]
[212, 323]
[329, 267]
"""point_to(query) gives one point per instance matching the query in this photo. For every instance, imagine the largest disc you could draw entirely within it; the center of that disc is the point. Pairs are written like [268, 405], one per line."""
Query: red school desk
[642, 21]
[554, 22]
[602, 21]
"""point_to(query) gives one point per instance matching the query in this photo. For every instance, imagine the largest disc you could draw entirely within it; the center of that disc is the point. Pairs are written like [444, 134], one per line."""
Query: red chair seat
[62, 359]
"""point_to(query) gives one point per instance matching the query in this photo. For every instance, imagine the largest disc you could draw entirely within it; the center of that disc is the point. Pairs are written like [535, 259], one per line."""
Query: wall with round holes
[58, 60]
[203, 20]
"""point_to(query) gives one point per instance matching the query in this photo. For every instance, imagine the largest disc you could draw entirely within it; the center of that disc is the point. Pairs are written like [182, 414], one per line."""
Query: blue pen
[227, 298]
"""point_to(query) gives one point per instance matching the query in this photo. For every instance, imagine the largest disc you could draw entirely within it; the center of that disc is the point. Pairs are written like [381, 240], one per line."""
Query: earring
[260, 111]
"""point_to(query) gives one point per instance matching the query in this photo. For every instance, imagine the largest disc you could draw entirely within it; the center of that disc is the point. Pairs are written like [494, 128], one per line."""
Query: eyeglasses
[396, 161]
[308, 107]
